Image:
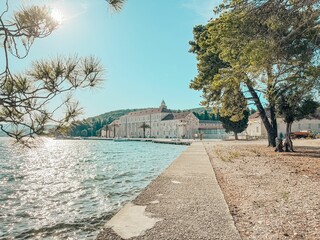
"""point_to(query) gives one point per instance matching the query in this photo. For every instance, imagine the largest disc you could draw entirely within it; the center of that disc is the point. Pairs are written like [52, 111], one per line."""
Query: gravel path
[187, 199]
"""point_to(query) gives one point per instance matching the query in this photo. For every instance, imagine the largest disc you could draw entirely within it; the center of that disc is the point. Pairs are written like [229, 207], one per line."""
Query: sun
[57, 15]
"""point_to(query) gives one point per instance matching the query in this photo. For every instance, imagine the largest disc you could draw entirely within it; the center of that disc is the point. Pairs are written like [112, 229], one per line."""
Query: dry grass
[270, 195]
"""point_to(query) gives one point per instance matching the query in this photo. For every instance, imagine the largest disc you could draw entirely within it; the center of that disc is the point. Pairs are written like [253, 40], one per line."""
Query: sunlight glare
[57, 15]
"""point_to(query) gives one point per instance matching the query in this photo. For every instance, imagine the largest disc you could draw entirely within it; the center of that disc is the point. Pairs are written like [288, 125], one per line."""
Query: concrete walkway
[184, 202]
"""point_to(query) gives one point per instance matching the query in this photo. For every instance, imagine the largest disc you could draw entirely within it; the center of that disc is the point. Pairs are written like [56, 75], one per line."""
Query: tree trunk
[236, 136]
[273, 120]
[288, 142]
[271, 98]
[114, 132]
[270, 130]
[144, 133]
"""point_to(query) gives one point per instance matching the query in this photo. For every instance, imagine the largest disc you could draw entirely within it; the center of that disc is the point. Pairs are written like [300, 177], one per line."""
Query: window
[257, 129]
[309, 125]
[299, 126]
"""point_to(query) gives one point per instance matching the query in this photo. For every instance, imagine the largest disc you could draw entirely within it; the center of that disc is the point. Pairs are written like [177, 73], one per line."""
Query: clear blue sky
[144, 49]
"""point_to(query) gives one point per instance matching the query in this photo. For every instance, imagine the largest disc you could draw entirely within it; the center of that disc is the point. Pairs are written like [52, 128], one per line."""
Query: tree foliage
[294, 105]
[24, 97]
[247, 54]
[235, 126]
[93, 127]
[205, 115]
[144, 126]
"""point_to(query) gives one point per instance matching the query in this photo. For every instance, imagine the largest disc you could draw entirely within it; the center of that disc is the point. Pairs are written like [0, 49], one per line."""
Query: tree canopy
[24, 97]
[252, 50]
[294, 105]
[235, 126]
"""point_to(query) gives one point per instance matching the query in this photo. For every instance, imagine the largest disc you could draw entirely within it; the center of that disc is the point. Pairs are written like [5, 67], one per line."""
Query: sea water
[68, 189]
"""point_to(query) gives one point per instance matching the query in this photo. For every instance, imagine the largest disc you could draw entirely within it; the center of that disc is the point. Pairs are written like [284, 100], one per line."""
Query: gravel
[270, 195]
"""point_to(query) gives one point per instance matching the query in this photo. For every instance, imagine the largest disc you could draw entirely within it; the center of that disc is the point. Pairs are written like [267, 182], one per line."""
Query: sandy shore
[270, 195]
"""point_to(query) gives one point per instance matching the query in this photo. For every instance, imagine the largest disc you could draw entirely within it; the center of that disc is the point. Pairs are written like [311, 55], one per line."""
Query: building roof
[181, 115]
[209, 121]
[176, 116]
[148, 111]
[257, 114]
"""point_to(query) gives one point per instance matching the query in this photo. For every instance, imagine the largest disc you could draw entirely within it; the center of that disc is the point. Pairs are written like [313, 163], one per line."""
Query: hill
[93, 125]
[112, 115]
[118, 113]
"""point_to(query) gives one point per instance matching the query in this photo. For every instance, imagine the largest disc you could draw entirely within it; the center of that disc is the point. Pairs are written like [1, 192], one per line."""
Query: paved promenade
[184, 202]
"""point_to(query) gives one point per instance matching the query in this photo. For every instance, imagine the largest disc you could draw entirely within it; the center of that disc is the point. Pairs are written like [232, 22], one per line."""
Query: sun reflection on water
[70, 188]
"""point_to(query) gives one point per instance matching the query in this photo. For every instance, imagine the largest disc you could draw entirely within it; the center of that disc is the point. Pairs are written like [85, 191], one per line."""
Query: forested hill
[92, 126]
[118, 113]
[113, 114]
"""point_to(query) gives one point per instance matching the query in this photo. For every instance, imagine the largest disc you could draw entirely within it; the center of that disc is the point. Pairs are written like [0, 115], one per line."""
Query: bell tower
[163, 105]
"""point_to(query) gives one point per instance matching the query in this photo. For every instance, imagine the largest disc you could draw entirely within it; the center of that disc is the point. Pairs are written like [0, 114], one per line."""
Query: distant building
[256, 127]
[211, 129]
[163, 123]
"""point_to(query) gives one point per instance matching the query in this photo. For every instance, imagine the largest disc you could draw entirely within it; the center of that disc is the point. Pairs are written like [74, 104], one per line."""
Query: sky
[143, 48]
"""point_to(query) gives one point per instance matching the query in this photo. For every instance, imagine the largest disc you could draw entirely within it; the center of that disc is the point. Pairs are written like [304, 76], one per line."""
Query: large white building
[162, 123]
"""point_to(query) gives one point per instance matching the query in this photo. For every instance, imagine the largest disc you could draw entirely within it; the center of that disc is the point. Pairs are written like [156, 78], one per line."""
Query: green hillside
[118, 113]
[93, 125]
[113, 114]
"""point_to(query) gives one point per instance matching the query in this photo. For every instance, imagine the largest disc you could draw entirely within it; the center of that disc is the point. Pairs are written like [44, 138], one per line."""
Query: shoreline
[154, 140]
[266, 195]
[184, 202]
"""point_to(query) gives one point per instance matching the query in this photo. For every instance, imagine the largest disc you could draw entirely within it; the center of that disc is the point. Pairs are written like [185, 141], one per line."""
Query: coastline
[184, 202]
[267, 195]
[154, 140]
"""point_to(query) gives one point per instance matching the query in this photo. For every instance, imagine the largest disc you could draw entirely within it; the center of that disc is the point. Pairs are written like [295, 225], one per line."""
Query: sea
[68, 189]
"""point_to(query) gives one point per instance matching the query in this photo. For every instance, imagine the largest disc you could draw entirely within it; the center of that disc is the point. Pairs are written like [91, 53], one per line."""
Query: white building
[212, 129]
[256, 127]
[159, 123]
[162, 122]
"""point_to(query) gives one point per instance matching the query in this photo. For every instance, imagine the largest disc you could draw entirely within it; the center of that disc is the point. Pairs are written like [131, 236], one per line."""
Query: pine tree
[235, 126]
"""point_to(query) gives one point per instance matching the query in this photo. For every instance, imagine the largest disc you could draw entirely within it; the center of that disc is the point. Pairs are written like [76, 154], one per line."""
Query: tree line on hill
[205, 115]
[87, 128]
[91, 127]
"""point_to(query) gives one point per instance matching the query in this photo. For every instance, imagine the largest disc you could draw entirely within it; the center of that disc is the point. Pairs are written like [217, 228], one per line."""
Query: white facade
[303, 125]
[256, 127]
[162, 123]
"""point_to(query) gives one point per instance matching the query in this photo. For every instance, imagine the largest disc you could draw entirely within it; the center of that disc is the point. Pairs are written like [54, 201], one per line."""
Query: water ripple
[69, 189]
